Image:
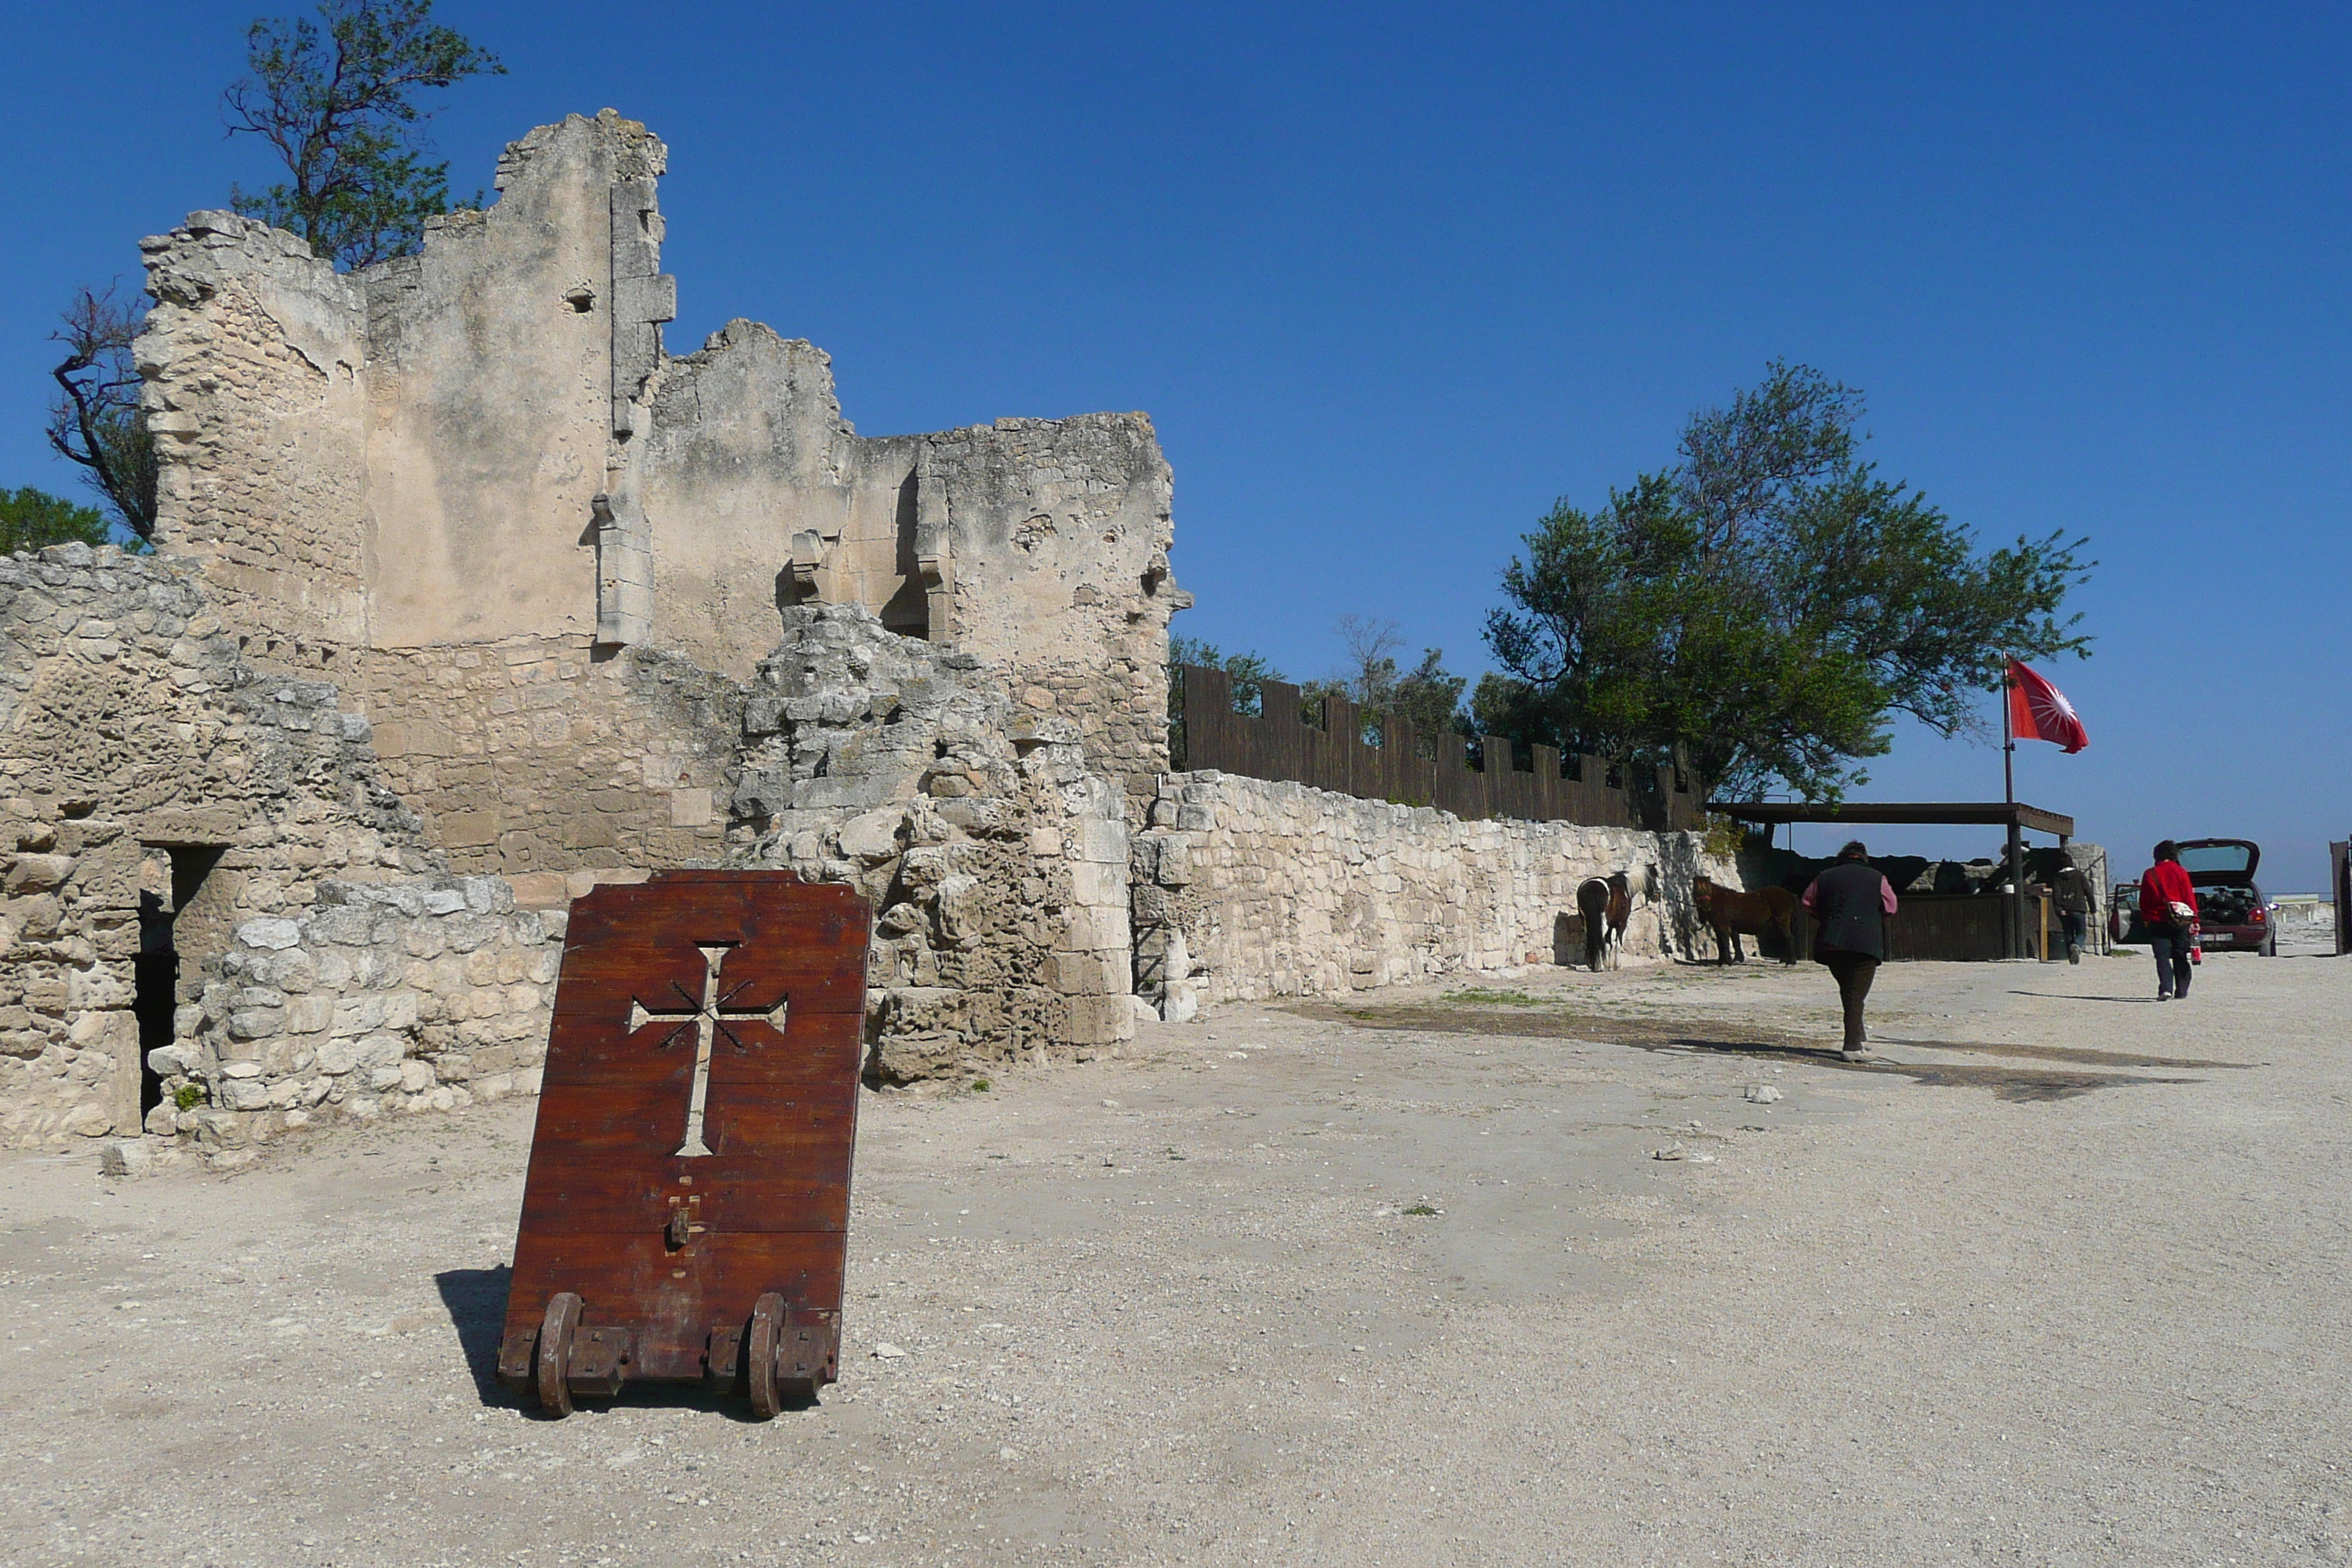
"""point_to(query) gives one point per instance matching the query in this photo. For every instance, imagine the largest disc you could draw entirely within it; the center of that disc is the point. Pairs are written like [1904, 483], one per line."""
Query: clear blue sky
[1389, 280]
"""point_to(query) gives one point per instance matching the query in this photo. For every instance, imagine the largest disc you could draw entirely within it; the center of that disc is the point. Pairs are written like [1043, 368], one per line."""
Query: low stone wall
[1244, 887]
[381, 996]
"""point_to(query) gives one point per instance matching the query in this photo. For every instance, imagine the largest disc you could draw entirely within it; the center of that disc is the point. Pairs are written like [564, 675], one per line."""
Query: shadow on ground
[1662, 1035]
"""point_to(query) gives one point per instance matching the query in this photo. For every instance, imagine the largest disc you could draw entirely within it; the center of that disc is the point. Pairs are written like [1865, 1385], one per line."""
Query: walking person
[1850, 903]
[2168, 907]
[2073, 908]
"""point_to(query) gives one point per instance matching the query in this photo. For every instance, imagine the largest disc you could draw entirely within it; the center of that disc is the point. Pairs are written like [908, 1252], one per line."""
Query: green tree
[1246, 671]
[95, 420]
[337, 100]
[30, 518]
[1761, 609]
[1426, 696]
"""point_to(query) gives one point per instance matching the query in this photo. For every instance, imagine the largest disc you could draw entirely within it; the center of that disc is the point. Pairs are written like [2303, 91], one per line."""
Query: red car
[2232, 915]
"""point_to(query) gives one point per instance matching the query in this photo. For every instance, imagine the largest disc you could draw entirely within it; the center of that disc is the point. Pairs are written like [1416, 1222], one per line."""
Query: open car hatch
[2214, 862]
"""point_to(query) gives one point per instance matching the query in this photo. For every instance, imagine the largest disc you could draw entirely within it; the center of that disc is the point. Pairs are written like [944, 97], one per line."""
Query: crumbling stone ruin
[167, 800]
[470, 597]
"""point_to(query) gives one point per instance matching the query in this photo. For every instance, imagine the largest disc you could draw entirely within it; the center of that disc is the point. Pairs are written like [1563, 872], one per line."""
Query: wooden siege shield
[687, 1201]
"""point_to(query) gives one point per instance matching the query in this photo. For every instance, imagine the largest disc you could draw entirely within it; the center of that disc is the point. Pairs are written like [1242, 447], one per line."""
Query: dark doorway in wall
[171, 880]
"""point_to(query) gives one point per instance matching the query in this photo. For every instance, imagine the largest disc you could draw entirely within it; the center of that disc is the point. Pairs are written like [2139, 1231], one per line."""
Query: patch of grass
[188, 1096]
[1421, 1209]
[979, 1086]
[1497, 998]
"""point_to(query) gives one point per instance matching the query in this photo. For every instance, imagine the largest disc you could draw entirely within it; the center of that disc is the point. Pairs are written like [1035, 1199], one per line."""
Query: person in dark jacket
[1850, 903]
[2168, 907]
[2074, 891]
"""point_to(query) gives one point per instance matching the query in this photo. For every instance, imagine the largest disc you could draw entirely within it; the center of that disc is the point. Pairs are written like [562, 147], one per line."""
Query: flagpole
[2009, 798]
[2008, 745]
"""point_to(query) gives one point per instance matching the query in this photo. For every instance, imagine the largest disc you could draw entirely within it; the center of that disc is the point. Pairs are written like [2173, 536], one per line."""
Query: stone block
[378, 1051]
[1099, 882]
[1102, 842]
[872, 836]
[539, 890]
[690, 808]
[1096, 974]
[1096, 926]
[255, 1023]
[310, 1014]
[1097, 1021]
[270, 933]
[38, 873]
[963, 909]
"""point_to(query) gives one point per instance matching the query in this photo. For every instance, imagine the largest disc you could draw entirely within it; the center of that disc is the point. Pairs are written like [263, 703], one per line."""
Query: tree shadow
[2068, 996]
[2004, 1083]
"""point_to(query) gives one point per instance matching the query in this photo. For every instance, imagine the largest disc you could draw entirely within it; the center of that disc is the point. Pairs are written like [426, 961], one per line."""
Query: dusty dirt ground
[2063, 1280]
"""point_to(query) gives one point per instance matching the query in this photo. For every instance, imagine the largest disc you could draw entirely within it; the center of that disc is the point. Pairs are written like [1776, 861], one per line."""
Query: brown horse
[1594, 898]
[1621, 910]
[1728, 912]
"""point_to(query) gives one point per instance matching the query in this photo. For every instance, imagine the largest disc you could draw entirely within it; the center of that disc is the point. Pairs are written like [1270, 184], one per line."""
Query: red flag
[2040, 711]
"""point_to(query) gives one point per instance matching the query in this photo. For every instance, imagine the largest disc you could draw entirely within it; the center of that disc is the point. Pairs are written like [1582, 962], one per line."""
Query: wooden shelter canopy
[1993, 813]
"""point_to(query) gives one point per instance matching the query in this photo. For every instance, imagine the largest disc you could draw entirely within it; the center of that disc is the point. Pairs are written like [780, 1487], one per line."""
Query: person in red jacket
[2168, 907]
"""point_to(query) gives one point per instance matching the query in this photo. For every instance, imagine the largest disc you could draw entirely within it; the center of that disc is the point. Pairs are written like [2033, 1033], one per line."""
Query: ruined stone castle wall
[472, 482]
[1245, 889]
[759, 495]
[497, 360]
[150, 771]
[252, 356]
[1040, 545]
[1061, 530]
[540, 757]
[995, 860]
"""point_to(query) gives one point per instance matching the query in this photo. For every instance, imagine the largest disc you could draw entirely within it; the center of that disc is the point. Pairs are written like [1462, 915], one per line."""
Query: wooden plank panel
[638, 1201]
[768, 1183]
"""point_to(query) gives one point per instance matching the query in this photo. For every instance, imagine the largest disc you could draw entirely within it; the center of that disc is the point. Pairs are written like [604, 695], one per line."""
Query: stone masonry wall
[161, 791]
[1244, 887]
[399, 997]
[537, 756]
[996, 863]
[1061, 531]
[137, 738]
[252, 356]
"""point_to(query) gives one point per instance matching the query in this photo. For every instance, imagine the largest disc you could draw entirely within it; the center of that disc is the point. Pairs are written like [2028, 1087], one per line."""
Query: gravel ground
[2060, 1280]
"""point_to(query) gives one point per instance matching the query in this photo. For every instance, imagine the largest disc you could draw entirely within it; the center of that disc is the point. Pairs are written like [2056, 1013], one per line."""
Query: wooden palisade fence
[1278, 743]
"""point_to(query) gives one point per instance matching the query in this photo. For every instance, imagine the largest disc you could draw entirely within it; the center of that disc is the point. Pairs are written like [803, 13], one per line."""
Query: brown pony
[1607, 903]
[1728, 912]
[1595, 899]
